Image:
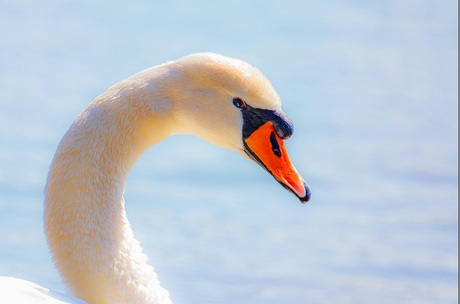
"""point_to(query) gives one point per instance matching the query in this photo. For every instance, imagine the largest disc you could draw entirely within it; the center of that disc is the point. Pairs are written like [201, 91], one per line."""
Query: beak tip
[307, 195]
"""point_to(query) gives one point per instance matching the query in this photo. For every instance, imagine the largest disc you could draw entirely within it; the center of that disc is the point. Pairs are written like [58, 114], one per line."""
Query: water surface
[371, 89]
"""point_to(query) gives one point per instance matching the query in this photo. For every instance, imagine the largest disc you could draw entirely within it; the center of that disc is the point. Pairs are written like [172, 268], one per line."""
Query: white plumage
[89, 235]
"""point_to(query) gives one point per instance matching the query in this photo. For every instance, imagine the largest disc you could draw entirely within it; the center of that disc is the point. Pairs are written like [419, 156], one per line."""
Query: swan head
[231, 104]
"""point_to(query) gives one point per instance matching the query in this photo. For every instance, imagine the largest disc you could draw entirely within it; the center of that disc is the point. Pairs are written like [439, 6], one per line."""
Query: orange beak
[268, 149]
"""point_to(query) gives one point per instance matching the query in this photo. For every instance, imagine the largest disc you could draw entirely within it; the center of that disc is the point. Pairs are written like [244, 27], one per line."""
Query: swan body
[17, 291]
[222, 100]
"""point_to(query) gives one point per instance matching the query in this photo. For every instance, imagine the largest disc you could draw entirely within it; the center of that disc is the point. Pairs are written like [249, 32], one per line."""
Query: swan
[223, 100]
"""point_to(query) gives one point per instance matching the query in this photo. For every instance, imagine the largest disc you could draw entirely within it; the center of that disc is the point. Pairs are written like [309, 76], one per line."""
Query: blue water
[371, 88]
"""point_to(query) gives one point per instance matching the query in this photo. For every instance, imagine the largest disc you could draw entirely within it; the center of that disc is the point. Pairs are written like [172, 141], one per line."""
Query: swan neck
[86, 226]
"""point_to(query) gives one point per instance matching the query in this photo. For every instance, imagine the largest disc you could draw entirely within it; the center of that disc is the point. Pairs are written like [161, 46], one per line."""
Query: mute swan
[222, 100]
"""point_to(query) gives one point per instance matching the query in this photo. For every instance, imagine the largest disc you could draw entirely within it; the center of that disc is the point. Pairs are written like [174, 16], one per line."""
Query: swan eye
[239, 103]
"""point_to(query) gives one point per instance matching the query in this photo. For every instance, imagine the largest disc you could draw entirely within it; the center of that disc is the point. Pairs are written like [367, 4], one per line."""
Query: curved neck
[85, 220]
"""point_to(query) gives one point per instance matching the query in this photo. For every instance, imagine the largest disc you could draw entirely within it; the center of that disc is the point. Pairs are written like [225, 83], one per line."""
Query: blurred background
[371, 87]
